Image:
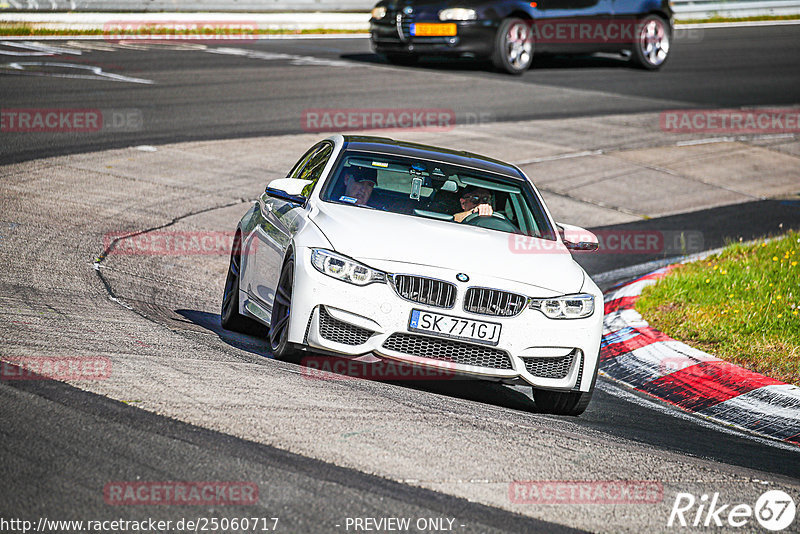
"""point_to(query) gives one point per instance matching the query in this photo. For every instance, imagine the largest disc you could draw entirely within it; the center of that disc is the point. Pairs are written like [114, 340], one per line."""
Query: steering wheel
[497, 221]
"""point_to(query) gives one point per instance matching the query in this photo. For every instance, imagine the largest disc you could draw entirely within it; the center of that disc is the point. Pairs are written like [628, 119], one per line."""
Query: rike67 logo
[774, 510]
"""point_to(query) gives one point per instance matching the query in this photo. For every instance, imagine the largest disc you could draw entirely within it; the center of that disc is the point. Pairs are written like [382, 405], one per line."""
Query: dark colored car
[509, 32]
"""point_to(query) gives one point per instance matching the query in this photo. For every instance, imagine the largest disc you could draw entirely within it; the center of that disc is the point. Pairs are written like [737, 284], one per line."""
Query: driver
[474, 200]
[358, 184]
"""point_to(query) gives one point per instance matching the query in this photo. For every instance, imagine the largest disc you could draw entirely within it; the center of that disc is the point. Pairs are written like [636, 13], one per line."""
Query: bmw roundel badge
[461, 277]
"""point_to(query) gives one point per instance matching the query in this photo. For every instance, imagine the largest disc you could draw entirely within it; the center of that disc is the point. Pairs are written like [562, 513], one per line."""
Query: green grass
[741, 305]
[13, 29]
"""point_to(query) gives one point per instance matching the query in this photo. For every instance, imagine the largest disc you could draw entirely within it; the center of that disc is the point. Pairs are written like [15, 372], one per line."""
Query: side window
[301, 163]
[312, 170]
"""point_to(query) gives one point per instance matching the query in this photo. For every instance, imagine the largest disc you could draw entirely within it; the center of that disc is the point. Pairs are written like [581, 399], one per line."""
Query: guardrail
[684, 9]
[149, 6]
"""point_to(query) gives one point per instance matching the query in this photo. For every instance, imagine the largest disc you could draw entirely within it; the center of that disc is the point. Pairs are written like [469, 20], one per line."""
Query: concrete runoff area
[156, 316]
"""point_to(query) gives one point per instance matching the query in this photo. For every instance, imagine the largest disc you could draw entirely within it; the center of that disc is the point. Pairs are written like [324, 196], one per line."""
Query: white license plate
[454, 327]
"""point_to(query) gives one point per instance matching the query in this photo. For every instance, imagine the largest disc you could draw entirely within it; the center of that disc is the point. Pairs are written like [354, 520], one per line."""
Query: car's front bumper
[473, 39]
[336, 317]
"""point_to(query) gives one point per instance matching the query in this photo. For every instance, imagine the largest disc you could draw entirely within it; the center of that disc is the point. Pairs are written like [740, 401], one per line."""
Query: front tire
[652, 46]
[513, 46]
[281, 315]
[230, 317]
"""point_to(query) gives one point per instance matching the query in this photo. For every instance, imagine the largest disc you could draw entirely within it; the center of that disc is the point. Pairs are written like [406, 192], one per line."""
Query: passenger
[475, 200]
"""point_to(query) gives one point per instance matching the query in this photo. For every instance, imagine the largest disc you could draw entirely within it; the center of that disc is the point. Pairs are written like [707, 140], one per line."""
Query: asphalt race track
[226, 94]
[188, 401]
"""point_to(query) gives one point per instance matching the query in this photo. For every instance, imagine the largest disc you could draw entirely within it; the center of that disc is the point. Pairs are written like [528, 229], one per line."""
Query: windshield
[435, 190]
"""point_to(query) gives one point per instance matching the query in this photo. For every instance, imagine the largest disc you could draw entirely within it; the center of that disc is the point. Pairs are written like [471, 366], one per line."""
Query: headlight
[566, 307]
[378, 12]
[344, 268]
[458, 13]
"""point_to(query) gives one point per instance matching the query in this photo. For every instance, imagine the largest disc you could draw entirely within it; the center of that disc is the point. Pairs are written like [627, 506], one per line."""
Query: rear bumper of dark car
[473, 38]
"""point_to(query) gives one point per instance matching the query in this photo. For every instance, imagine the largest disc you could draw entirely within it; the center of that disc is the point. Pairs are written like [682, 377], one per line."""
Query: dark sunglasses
[478, 199]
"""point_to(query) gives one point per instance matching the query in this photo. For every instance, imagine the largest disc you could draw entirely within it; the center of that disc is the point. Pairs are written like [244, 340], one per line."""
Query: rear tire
[230, 317]
[281, 315]
[562, 402]
[513, 46]
[652, 46]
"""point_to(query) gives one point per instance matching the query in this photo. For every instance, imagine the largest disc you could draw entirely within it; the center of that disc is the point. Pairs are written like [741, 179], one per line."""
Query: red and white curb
[651, 362]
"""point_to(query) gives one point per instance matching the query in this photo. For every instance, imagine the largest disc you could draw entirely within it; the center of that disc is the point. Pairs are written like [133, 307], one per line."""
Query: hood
[436, 4]
[429, 9]
[364, 234]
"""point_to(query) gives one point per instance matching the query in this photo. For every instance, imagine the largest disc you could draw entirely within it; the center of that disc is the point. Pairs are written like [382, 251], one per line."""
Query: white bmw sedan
[376, 248]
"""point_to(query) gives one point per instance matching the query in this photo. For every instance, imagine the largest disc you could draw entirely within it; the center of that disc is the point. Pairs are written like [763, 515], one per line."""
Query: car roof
[462, 158]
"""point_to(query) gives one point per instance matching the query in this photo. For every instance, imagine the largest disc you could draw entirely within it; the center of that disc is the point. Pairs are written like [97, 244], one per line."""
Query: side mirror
[577, 238]
[288, 189]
